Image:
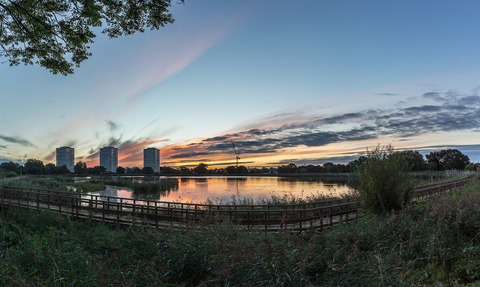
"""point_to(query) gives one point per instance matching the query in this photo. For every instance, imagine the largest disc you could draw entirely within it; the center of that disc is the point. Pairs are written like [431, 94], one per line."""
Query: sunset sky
[302, 82]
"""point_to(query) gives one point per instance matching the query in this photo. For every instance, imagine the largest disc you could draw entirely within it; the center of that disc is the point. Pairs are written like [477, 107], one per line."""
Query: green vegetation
[427, 177]
[80, 168]
[284, 199]
[66, 183]
[427, 243]
[447, 159]
[57, 34]
[383, 182]
[142, 187]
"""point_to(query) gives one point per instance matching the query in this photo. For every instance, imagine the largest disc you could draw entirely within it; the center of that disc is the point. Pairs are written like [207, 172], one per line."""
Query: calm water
[222, 189]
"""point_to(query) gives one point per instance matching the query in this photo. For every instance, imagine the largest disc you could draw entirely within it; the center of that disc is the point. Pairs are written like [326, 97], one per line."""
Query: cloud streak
[453, 112]
[17, 140]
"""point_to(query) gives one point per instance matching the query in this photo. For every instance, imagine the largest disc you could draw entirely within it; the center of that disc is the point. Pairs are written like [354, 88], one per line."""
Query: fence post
[300, 218]
[156, 215]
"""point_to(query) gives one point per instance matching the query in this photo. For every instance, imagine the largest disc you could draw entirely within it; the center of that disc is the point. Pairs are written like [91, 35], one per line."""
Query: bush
[383, 180]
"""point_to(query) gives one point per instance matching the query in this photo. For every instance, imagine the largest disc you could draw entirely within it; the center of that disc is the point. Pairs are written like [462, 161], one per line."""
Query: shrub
[383, 180]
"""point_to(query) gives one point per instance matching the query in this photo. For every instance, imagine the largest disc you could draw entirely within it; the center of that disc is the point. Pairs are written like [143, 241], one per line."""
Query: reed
[428, 243]
[145, 186]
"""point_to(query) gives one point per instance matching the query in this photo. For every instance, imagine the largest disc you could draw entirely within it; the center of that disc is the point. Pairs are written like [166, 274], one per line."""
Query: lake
[195, 189]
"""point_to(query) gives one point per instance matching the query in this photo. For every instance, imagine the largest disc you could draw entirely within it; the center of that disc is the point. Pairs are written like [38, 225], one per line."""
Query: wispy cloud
[72, 126]
[112, 125]
[151, 123]
[17, 140]
[130, 151]
[163, 63]
[388, 94]
[317, 131]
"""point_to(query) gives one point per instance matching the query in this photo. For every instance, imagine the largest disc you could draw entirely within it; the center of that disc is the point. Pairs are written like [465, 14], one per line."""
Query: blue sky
[314, 80]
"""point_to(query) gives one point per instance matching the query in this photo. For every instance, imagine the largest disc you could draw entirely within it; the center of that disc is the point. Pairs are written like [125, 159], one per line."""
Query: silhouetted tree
[168, 170]
[242, 169]
[120, 170]
[329, 167]
[447, 159]
[80, 168]
[148, 170]
[202, 168]
[415, 160]
[231, 169]
[35, 166]
[356, 163]
[10, 166]
[290, 168]
[97, 170]
[62, 169]
[185, 170]
[51, 168]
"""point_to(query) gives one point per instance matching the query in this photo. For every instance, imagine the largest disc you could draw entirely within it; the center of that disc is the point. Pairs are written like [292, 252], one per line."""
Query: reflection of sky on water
[199, 189]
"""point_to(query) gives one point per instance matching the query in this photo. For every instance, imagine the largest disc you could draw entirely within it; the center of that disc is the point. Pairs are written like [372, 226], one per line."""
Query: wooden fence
[125, 211]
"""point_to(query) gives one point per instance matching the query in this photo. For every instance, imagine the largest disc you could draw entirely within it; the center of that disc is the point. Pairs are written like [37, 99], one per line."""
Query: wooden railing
[125, 211]
[428, 190]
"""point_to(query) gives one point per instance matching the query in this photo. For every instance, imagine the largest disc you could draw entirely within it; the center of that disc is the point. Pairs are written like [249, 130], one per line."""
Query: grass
[427, 177]
[429, 243]
[66, 183]
[285, 199]
[145, 186]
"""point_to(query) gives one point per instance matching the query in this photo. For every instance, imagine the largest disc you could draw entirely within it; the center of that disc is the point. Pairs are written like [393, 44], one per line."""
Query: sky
[303, 82]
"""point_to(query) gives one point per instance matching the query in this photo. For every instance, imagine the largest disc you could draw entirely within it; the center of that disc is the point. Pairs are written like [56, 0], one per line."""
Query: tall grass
[145, 186]
[429, 243]
[65, 183]
[33, 182]
[285, 199]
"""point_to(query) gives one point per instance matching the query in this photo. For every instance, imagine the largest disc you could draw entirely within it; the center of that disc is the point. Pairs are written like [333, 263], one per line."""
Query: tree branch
[38, 20]
[19, 22]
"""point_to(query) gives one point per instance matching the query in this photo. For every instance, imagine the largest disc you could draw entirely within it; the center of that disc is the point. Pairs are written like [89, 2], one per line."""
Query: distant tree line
[202, 169]
[445, 159]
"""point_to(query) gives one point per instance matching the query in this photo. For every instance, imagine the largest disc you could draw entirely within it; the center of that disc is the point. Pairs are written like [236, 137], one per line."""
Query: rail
[125, 211]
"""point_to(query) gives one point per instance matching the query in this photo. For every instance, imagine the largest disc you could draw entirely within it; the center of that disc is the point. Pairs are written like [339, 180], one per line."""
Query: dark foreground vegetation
[426, 243]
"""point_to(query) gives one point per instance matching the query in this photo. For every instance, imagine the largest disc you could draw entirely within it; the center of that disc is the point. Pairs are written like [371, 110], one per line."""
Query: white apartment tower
[151, 158]
[109, 158]
[65, 156]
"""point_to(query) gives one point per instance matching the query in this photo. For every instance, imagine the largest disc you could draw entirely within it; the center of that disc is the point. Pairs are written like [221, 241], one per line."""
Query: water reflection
[223, 189]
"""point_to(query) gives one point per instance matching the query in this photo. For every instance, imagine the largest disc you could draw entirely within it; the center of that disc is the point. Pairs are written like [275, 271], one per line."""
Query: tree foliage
[136, 170]
[202, 168]
[148, 170]
[383, 180]
[447, 159]
[168, 170]
[45, 32]
[414, 159]
[97, 170]
[35, 166]
[184, 170]
[80, 168]
[52, 169]
[63, 169]
[10, 166]
[121, 170]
